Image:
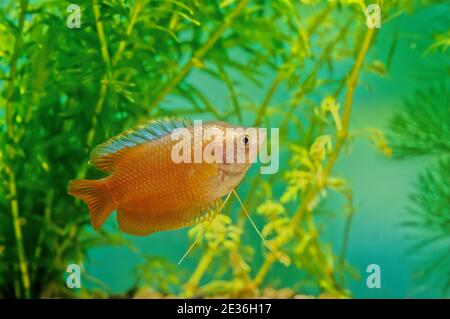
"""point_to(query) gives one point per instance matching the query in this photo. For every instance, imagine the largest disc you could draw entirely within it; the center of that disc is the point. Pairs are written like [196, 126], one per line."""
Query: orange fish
[151, 191]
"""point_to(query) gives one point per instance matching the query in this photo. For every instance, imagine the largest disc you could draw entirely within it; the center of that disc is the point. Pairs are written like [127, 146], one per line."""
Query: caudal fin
[94, 194]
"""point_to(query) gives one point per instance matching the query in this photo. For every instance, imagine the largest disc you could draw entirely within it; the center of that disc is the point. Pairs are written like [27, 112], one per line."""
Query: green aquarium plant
[422, 129]
[293, 65]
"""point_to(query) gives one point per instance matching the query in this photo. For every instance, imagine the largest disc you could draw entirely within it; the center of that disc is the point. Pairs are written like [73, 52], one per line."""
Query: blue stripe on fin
[104, 155]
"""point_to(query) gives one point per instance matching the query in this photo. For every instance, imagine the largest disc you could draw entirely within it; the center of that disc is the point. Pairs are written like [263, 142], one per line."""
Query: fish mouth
[230, 173]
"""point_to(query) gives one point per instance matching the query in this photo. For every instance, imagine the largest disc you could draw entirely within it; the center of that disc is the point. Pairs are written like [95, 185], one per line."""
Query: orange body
[148, 188]
[149, 191]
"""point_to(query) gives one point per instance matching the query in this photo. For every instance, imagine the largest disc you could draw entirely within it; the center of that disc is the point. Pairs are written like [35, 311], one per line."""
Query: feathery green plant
[422, 129]
[63, 91]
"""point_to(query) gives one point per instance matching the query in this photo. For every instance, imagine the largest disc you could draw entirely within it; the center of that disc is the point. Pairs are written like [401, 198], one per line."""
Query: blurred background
[364, 118]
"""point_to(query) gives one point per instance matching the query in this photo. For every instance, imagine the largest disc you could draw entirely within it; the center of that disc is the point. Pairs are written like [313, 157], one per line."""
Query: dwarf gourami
[151, 191]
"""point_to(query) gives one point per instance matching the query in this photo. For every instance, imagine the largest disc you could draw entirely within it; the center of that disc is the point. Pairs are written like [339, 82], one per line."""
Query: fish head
[239, 150]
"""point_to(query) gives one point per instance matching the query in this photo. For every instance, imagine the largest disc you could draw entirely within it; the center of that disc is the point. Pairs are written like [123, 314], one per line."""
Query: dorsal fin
[104, 155]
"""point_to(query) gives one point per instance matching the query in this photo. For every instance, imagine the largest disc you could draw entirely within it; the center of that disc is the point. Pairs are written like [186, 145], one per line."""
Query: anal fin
[136, 221]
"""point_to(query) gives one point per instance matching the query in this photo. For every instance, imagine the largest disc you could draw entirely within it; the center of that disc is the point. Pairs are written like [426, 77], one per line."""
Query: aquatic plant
[64, 90]
[422, 129]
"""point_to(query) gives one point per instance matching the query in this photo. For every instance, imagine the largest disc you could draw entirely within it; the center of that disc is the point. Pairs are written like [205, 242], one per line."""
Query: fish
[152, 192]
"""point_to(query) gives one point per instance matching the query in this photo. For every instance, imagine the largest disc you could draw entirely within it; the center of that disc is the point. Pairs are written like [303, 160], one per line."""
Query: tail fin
[94, 194]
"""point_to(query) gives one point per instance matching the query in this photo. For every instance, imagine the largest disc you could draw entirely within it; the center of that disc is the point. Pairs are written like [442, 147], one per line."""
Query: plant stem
[138, 5]
[171, 84]
[108, 77]
[47, 216]
[283, 71]
[106, 80]
[232, 92]
[273, 87]
[14, 202]
[341, 138]
[197, 275]
[304, 87]
[102, 38]
[345, 237]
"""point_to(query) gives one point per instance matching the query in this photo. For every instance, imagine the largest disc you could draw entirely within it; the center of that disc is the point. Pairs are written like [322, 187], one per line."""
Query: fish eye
[245, 140]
